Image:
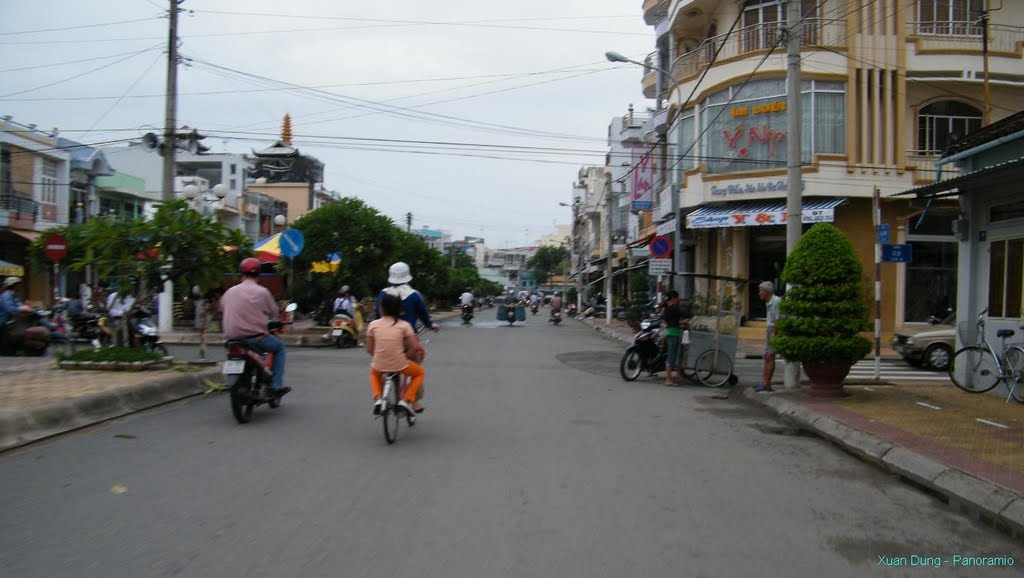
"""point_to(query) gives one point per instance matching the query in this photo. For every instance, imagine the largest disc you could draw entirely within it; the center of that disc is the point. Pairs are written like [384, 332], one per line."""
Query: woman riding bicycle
[392, 343]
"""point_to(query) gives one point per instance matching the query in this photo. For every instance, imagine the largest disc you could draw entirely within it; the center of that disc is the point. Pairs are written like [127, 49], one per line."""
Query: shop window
[49, 181]
[1006, 278]
[949, 17]
[939, 124]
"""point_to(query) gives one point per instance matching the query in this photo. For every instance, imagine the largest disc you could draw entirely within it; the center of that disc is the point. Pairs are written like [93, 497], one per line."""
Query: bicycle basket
[967, 332]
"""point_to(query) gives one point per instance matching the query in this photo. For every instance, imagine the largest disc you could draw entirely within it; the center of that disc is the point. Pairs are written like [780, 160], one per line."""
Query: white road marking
[928, 405]
[985, 421]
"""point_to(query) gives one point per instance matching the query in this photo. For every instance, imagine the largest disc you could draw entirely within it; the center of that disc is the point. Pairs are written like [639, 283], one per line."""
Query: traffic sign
[291, 242]
[55, 247]
[659, 266]
[660, 247]
[897, 253]
[883, 234]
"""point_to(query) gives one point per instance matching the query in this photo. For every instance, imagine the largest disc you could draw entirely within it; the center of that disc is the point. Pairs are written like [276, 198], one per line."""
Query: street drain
[782, 430]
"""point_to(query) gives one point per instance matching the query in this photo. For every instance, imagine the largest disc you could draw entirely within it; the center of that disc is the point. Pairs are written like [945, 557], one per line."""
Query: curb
[24, 426]
[996, 504]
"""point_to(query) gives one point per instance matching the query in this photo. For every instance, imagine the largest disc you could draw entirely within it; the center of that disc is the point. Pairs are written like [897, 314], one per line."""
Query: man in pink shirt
[247, 307]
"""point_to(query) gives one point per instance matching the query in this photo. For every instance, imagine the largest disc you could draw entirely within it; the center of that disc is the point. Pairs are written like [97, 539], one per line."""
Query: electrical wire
[63, 64]
[108, 65]
[98, 25]
[125, 93]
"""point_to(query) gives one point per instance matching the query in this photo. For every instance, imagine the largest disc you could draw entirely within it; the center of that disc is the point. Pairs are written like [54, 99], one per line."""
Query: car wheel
[937, 356]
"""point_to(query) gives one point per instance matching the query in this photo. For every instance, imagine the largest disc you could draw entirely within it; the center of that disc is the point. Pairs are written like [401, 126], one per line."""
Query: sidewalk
[968, 449]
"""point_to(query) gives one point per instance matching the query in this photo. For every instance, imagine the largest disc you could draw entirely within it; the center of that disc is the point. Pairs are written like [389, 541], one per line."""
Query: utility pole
[794, 206]
[986, 109]
[166, 299]
[408, 222]
[608, 264]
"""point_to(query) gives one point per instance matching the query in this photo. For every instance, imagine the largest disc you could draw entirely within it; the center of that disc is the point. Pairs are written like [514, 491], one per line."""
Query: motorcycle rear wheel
[242, 405]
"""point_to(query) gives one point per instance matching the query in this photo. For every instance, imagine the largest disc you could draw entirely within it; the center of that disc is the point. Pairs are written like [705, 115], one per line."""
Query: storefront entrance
[931, 276]
[767, 258]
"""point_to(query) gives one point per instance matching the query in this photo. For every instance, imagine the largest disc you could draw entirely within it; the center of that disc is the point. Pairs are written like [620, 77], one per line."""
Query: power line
[108, 65]
[125, 93]
[63, 64]
[98, 25]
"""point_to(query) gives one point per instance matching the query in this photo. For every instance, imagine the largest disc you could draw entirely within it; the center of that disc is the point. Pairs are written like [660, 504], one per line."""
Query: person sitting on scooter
[10, 303]
[414, 309]
[466, 298]
[345, 303]
[247, 307]
[392, 343]
[556, 303]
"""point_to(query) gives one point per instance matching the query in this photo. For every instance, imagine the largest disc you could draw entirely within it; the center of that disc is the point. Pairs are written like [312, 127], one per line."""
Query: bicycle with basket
[978, 368]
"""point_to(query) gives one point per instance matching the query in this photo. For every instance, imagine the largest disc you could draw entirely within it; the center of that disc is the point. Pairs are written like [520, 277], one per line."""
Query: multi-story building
[35, 173]
[435, 238]
[560, 238]
[886, 86]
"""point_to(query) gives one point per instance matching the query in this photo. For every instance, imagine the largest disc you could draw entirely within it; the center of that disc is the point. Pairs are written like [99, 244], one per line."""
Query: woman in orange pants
[391, 341]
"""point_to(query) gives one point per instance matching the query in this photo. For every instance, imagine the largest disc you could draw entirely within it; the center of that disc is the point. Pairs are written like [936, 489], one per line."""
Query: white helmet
[399, 274]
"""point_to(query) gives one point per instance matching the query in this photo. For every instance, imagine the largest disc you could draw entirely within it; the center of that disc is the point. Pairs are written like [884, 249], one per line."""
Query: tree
[136, 256]
[547, 261]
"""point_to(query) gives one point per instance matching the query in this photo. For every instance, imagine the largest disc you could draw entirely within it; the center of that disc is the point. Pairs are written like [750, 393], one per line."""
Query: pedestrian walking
[766, 291]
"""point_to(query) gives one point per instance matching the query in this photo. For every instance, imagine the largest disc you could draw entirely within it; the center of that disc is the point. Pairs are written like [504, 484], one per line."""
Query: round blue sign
[291, 242]
[660, 247]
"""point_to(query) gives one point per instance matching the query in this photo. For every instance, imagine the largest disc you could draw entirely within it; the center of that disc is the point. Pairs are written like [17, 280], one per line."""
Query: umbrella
[332, 263]
[11, 270]
[269, 249]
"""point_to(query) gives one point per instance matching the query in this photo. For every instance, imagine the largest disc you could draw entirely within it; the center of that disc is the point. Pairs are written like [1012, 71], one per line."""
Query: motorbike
[646, 353]
[571, 311]
[556, 317]
[25, 334]
[145, 331]
[510, 313]
[534, 307]
[467, 314]
[248, 374]
[344, 332]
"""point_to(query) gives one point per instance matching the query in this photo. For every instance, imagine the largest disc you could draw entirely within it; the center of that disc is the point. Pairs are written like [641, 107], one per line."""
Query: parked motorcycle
[467, 314]
[25, 334]
[646, 353]
[248, 374]
[344, 332]
[571, 310]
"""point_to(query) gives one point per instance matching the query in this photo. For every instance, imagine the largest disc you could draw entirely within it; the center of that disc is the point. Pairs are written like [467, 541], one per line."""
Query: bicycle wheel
[631, 364]
[713, 368]
[974, 370]
[392, 413]
[1015, 372]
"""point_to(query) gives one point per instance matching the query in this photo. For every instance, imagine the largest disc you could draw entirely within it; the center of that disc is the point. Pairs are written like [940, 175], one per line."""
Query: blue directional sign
[897, 253]
[883, 234]
[292, 242]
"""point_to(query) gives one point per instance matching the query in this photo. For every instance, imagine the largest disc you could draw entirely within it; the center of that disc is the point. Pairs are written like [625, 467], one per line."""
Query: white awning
[762, 213]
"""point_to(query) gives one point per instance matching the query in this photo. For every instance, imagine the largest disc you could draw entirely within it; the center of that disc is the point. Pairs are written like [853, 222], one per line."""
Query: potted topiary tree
[823, 310]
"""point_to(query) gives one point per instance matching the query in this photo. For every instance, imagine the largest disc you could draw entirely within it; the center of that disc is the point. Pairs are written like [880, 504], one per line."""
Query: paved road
[534, 459]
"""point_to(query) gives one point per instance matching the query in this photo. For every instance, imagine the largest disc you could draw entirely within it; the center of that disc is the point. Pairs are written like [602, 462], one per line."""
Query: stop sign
[55, 247]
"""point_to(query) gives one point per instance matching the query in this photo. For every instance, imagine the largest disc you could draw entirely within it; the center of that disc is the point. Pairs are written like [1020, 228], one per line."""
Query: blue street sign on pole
[883, 234]
[897, 253]
[291, 242]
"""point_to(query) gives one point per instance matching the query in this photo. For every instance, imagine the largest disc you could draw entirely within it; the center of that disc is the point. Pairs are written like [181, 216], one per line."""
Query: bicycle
[391, 413]
[978, 368]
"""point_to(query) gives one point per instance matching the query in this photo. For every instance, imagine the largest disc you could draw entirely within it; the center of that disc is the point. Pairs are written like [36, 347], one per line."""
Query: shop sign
[643, 180]
[756, 219]
[778, 106]
[667, 228]
[781, 185]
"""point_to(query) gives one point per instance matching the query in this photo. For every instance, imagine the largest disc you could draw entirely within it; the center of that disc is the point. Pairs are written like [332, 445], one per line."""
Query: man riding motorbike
[466, 300]
[556, 303]
[414, 310]
[246, 308]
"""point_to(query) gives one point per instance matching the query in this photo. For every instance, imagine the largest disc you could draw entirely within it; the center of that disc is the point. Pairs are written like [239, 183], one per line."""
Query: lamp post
[199, 198]
[280, 221]
[677, 260]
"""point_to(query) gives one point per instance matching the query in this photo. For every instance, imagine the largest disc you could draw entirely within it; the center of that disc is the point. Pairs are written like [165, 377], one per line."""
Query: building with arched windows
[887, 86]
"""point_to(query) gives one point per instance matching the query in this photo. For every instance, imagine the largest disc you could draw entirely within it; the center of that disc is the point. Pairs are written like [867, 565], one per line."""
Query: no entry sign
[55, 247]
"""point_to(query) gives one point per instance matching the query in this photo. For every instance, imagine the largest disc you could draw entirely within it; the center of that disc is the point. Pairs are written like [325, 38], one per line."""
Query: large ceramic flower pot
[827, 378]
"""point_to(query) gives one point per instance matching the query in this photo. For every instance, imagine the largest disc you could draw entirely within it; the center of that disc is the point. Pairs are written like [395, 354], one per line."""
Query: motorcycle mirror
[291, 307]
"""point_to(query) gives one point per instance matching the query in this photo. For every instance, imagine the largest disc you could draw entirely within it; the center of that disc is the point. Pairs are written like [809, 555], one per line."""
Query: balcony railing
[924, 162]
[816, 32]
[966, 36]
[25, 207]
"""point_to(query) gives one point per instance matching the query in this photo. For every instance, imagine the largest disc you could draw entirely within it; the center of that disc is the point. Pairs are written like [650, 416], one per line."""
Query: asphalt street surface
[533, 459]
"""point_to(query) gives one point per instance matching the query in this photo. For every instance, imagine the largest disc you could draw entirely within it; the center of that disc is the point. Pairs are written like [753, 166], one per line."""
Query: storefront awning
[27, 235]
[11, 270]
[762, 213]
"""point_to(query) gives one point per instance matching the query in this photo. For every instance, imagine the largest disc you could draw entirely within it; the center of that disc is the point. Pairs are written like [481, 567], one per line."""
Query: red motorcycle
[248, 372]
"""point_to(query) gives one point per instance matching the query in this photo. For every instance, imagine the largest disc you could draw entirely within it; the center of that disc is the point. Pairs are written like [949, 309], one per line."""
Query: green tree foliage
[136, 256]
[547, 261]
[823, 311]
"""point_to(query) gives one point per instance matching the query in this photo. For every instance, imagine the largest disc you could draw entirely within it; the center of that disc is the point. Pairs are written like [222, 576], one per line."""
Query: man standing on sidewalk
[766, 291]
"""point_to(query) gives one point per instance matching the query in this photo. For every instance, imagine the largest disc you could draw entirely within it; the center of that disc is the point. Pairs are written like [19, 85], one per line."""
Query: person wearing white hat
[10, 304]
[414, 308]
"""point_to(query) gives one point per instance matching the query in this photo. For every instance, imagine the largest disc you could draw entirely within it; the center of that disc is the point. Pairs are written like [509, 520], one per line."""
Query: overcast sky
[527, 73]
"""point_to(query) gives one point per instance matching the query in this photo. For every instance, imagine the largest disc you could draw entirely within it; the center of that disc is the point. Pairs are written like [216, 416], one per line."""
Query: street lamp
[193, 193]
[676, 253]
[280, 221]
